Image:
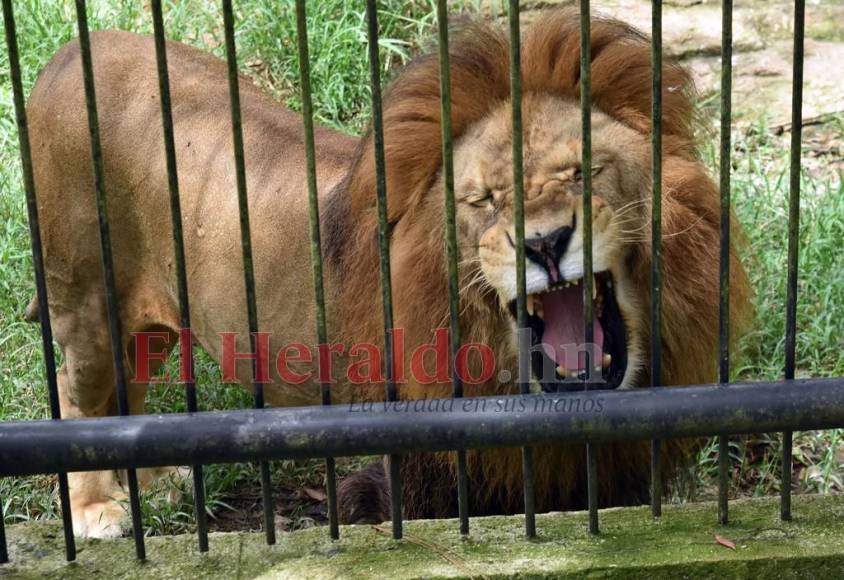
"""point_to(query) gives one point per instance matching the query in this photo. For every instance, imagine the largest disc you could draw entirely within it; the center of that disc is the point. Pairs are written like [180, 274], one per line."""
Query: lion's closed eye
[576, 174]
[483, 198]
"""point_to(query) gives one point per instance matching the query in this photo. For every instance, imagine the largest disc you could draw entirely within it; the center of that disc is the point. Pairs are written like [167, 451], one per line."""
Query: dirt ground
[762, 48]
[293, 509]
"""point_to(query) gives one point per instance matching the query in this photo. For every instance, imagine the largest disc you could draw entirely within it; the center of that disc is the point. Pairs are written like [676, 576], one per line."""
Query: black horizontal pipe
[30, 447]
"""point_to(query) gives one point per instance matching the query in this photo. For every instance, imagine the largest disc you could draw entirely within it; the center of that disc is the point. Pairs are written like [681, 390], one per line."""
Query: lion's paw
[101, 520]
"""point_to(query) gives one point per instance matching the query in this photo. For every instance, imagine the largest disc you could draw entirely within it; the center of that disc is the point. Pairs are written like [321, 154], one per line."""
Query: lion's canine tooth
[607, 359]
[562, 371]
[540, 311]
[530, 304]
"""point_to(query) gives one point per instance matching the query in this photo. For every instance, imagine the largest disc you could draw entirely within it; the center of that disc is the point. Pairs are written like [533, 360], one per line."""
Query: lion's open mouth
[556, 320]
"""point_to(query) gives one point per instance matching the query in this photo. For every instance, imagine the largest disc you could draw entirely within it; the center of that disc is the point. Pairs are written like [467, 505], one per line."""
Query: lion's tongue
[564, 330]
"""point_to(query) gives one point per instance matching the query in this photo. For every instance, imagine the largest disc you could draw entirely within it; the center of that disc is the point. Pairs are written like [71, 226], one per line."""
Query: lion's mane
[480, 81]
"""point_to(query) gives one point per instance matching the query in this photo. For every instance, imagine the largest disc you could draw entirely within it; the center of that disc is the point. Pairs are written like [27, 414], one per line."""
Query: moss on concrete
[631, 545]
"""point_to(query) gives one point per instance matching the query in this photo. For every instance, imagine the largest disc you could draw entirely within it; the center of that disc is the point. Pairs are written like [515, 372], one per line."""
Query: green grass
[761, 169]
[267, 52]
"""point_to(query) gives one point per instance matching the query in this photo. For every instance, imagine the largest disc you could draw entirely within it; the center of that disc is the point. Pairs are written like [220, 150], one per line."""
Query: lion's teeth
[540, 311]
[607, 359]
[562, 371]
[530, 304]
[594, 287]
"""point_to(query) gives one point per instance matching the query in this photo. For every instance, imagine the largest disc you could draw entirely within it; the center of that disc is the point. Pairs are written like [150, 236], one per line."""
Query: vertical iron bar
[793, 239]
[656, 242]
[724, 266]
[316, 245]
[4, 549]
[586, 172]
[384, 247]
[179, 254]
[115, 326]
[38, 264]
[451, 244]
[246, 247]
[519, 204]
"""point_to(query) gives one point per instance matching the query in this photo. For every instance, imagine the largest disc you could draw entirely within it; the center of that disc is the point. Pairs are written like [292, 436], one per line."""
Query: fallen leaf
[314, 494]
[725, 542]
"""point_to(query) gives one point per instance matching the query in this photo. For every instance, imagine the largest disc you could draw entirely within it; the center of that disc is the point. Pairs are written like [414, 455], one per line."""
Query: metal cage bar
[793, 239]
[38, 266]
[586, 172]
[451, 246]
[4, 549]
[724, 263]
[246, 247]
[319, 431]
[656, 242]
[519, 205]
[179, 256]
[316, 245]
[394, 460]
[115, 326]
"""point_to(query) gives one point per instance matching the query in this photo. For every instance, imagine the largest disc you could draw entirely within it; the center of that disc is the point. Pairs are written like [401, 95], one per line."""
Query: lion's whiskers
[629, 206]
[686, 230]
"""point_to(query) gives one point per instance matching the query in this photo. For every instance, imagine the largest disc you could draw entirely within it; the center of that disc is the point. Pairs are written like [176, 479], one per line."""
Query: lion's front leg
[166, 479]
[97, 503]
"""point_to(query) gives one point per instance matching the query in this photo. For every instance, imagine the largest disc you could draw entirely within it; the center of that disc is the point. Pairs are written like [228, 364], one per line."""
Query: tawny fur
[621, 87]
[136, 183]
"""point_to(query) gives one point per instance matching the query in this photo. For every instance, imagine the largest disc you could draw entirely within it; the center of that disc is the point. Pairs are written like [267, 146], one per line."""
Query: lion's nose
[547, 250]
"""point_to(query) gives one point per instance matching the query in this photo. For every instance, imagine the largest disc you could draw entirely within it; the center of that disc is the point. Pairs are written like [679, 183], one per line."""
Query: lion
[137, 191]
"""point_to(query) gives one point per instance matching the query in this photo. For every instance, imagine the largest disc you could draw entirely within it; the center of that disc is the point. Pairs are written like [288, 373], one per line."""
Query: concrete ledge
[631, 545]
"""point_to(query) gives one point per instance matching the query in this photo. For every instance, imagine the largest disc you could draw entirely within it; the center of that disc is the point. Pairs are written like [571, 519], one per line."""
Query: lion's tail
[31, 312]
